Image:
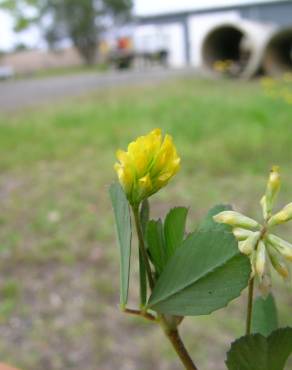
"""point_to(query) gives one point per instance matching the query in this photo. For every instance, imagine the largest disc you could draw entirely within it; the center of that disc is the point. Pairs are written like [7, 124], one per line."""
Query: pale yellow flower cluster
[148, 164]
[256, 240]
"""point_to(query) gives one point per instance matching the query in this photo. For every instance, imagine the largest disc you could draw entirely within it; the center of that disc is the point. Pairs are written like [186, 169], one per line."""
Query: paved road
[24, 93]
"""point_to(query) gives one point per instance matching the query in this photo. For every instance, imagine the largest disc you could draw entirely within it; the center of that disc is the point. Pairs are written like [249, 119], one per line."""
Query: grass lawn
[59, 265]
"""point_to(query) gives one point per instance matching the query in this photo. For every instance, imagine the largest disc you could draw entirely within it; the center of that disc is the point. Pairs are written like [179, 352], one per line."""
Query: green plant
[278, 89]
[197, 273]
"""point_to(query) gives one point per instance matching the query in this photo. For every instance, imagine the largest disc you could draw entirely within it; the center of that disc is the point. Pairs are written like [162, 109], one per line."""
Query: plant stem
[142, 246]
[171, 332]
[180, 349]
[249, 306]
[146, 315]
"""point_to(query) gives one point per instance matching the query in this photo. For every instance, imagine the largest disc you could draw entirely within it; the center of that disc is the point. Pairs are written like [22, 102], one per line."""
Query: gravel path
[24, 93]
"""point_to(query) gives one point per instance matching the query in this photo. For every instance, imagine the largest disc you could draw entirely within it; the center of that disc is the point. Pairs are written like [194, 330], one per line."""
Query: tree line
[80, 21]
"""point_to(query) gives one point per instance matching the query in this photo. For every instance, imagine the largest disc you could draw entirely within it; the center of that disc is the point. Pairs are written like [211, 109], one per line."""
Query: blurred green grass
[193, 111]
[59, 265]
[64, 71]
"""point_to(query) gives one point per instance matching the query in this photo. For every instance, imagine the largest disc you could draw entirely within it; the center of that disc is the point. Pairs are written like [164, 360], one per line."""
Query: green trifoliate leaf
[256, 352]
[280, 348]
[264, 317]
[124, 234]
[203, 275]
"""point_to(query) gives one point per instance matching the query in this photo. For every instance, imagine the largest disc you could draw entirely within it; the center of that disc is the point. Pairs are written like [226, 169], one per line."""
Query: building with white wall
[183, 29]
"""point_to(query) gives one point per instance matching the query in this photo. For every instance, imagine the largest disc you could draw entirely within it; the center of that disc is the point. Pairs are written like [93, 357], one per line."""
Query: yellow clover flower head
[148, 164]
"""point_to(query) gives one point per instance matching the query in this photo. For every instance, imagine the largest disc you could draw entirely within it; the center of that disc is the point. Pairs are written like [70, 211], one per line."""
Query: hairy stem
[249, 306]
[142, 246]
[180, 349]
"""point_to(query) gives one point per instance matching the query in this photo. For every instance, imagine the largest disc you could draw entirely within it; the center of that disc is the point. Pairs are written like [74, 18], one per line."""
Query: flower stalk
[142, 245]
[145, 315]
[180, 349]
[170, 331]
[249, 306]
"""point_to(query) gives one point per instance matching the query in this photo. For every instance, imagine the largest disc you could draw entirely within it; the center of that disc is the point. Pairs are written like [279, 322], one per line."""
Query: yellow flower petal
[121, 156]
[147, 165]
[145, 183]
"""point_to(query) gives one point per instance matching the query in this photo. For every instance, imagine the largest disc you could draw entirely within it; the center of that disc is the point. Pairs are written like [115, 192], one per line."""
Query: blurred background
[80, 79]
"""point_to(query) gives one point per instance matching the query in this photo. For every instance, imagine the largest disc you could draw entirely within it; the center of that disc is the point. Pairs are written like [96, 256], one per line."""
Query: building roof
[161, 8]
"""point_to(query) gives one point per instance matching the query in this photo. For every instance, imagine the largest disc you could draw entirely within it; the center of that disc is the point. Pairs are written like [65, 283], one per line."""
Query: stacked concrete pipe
[277, 57]
[242, 44]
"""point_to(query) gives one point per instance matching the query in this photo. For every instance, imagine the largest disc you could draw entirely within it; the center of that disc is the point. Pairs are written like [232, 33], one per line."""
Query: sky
[32, 38]
[6, 36]
[8, 39]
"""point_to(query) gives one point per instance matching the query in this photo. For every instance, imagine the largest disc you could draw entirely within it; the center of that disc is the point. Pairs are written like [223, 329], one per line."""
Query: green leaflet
[255, 352]
[203, 275]
[208, 223]
[264, 318]
[174, 229]
[156, 245]
[124, 235]
[164, 239]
